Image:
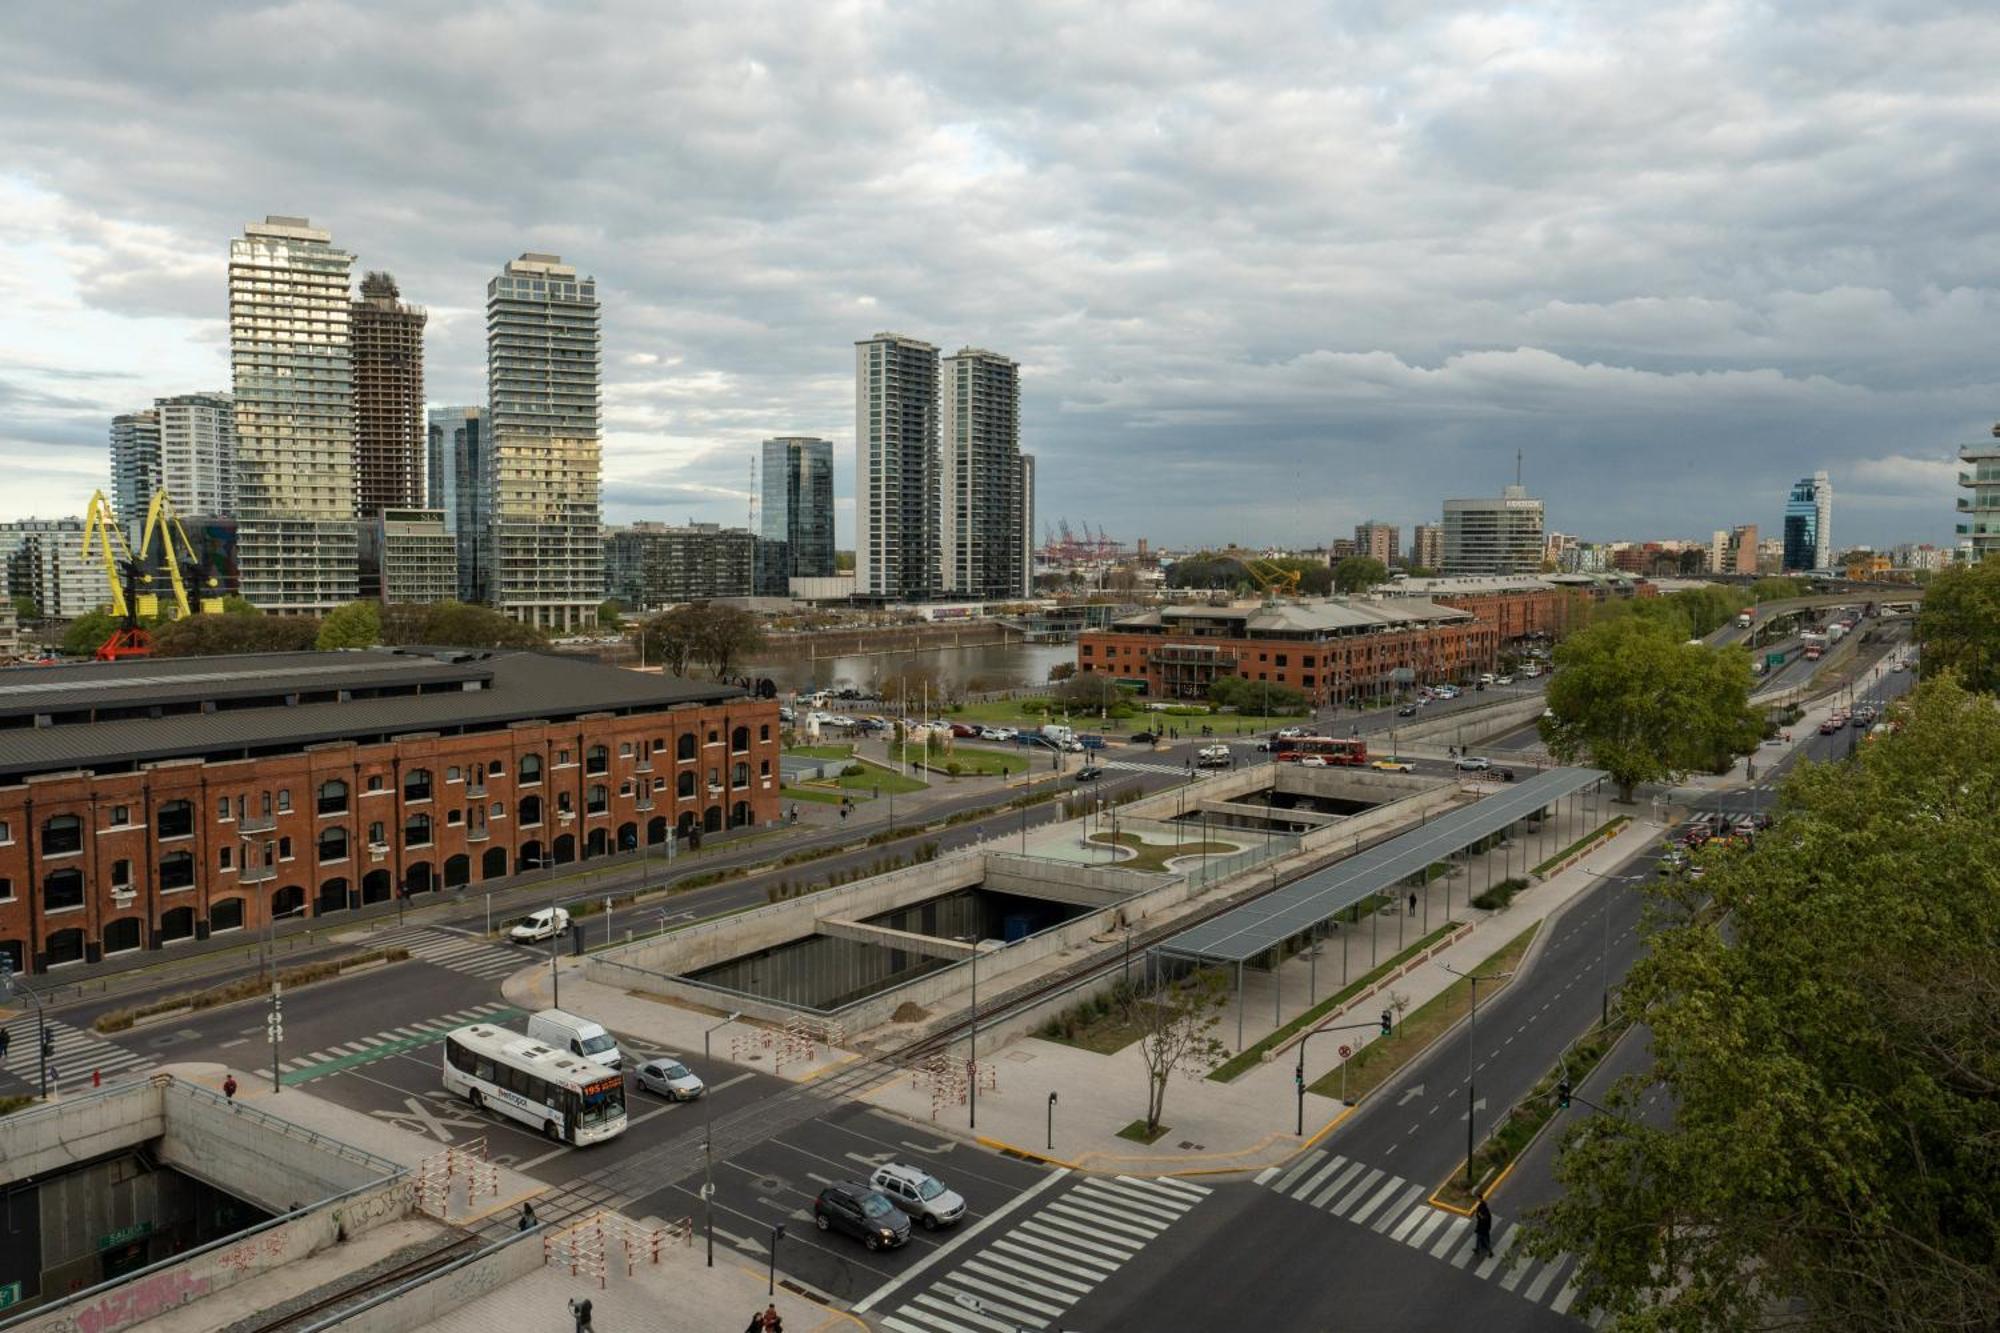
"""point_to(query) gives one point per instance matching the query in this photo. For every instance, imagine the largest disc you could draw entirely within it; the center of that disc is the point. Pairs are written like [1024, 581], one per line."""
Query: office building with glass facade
[795, 513]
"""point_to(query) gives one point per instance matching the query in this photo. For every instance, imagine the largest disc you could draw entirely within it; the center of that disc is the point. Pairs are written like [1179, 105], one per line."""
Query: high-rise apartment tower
[389, 436]
[135, 468]
[795, 513]
[1979, 512]
[1377, 541]
[545, 552]
[198, 452]
[294, 393]
[981, 508]
[1493, 536]
[896, 446]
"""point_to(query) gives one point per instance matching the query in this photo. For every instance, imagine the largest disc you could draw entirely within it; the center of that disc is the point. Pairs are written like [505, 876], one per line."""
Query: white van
[578, 1036]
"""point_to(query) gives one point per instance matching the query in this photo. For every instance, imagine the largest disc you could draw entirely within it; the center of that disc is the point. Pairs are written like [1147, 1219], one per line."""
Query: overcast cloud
[1269, 269]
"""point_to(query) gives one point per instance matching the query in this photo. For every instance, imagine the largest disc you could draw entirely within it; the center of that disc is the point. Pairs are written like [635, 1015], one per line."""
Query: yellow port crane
[134, 597]
[1273, 580]
[176, 553]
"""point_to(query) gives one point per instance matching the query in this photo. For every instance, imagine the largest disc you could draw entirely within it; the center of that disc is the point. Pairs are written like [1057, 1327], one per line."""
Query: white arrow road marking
[934, 1149]
[1410, 1094]
[869, 1159]
[740, 1242]
[1479, 1105]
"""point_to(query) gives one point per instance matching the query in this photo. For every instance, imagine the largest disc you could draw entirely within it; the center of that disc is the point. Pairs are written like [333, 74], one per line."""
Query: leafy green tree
[456, 624]
[1093, 692]
[1315, 576]
[610, 614]
[1634, 699]
[1257, 696]
[26, 609]
[1959, 624]
[355, 625]
[232, 605]
[725, 636]
[223, 635]
[1707, 608]
[1777, 590]
[1208, 570]
[1359, 573]
[1824, 1032]
[88, 632]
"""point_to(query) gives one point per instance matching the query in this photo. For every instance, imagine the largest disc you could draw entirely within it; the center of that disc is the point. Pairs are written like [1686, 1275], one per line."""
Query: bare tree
[1176, 1025]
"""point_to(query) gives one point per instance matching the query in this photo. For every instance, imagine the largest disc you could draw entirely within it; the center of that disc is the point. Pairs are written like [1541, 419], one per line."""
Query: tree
[725, 636]
[1091, 692]
[233, 605]
[355, 625]
[1777, 590]
[1207, 570]
[669, 639]
[1959, 624]
[1824, 1034]
[1176, 1024]
[1256, 696]
[223, 635]
[1359, 573]
[88, 632]
[912, 686]
[1636, 700]
[456, 624]
[26, 609]
[610, 614]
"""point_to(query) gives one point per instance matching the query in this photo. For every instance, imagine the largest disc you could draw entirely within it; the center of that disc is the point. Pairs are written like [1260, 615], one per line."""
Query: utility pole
[1471, 1025]
[274, 1028]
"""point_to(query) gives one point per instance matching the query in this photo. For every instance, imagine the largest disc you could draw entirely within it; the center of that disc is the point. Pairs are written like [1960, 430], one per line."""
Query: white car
[1292, 733]
[997, 733]
[1472, 763]
[544, 923]
[1504, 680]
[918, 1193]
[1312, 761]
[671, 1079]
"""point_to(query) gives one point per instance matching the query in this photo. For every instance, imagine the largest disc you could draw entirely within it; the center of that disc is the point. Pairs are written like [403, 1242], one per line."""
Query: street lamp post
[7, 984]
[972, 1040]
[1052, 1122]
[1472, 1023]
[777, 1234]
[708, 1144]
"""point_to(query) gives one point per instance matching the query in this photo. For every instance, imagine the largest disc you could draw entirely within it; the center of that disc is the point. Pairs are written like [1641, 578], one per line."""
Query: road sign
[10, 1294]
[1346, 1051]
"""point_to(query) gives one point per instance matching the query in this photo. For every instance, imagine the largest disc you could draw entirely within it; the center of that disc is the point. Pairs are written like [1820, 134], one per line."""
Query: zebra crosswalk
[1140, 766]
[1032, 1273]
[78, 1054]
[391, 1041]
[1398, 1209]
[465, 954]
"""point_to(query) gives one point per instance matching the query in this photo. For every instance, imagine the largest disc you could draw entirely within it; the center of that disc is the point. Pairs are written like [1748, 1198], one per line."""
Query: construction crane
[103, 542]
[134, 596]
[1273, 580]
[176, 554]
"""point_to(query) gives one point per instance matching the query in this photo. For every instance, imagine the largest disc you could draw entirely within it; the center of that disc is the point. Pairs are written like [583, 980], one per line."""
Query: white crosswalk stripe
[470, 957]
[77, 1055]
[1031, 1274]
[1135, 766]
[399, 1038]
[1395, 1207]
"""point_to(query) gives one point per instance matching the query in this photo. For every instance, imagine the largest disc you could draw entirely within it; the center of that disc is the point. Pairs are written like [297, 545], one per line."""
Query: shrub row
[243, 988]
[1500, 894]
[1072, 1022]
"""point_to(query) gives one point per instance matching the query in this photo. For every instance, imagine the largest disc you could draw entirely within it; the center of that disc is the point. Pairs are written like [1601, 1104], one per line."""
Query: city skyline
[1550, 295]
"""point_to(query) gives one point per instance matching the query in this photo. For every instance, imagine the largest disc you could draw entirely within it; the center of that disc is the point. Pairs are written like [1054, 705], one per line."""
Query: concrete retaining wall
[445, 1292]
[1475, 724]
[1409, 810]
[132, 1300]
[268, 1161]
[75, 1130]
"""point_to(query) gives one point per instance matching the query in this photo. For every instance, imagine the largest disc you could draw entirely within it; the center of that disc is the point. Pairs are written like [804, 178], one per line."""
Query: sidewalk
[1215, 1127]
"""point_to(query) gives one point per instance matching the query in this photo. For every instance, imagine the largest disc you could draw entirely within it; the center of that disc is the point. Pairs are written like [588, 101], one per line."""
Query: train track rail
[364, 1286]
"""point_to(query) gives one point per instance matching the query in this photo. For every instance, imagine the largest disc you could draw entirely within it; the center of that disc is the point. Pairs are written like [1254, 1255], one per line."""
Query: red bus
[1341, 751]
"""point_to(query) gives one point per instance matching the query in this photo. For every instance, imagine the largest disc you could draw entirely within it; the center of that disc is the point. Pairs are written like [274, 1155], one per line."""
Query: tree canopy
[1207, 570]
[1776, 589]
[711, 633]
[1359, 573]
[1824, 1032]
[88, 632]
[355, 625]
[611, 614]
[1634, 699]
[210, 635]
[456, 624]
[1257, 696]
[1959, 624]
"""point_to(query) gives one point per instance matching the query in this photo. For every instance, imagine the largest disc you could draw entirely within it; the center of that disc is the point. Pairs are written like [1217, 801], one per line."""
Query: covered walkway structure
[1556, 807]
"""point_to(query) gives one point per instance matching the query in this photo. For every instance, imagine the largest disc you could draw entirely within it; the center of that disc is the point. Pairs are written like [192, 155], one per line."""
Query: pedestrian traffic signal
[1387, 1022]
[1562, 1094]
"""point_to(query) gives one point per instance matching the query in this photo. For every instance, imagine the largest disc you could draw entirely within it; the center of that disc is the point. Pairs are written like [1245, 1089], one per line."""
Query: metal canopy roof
[1247, 931]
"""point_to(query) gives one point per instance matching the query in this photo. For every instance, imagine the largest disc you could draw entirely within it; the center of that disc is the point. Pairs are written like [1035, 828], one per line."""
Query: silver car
[671, 1079]
[918, 1193]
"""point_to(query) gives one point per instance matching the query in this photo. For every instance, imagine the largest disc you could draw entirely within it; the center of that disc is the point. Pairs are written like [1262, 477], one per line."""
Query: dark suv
[862, 1212]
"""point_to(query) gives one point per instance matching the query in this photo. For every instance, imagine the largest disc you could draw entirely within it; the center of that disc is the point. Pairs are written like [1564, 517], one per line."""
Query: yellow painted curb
[827, 1069]
[834, 1313]
[998, 1145]
[1486, 1193]
[1329, 1127]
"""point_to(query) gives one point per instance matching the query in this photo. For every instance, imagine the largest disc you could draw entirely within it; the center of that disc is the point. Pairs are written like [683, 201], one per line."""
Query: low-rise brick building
[147, 802]
[1328, 650]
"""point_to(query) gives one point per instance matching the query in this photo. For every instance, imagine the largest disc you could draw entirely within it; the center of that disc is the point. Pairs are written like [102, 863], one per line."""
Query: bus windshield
[601, 1103]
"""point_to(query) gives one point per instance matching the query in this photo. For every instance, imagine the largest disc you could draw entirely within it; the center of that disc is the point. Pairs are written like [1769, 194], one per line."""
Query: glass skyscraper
[456, 463]
[795, 513]
[1809, 524]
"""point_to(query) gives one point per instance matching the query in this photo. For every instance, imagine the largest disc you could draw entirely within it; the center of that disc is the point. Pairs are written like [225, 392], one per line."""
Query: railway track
[366, 1285]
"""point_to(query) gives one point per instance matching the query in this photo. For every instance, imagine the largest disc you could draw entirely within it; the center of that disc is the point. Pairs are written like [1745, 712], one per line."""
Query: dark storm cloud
[1269, 270]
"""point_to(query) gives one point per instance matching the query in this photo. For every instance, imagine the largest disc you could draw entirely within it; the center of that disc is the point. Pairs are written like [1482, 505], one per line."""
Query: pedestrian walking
[1413, 902]
[1482, 1229]
[772, 1323]
[527, 1217]
[97, 1078]
[756, 1324]
[579, 1310]
[6, 1040]
[229, 1088]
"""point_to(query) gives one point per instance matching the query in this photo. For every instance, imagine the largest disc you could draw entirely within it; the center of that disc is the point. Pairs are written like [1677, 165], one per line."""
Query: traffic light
[1387, 1023]
[1299, 1079]
[1562, 1094]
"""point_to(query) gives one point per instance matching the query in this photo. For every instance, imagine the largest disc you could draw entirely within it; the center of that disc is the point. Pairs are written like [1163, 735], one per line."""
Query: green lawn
[874, 777]
[819, 794]
[973, 760]
[1155, 855]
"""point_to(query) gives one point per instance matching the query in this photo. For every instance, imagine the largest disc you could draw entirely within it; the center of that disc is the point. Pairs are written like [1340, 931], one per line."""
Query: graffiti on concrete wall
[134, 1302]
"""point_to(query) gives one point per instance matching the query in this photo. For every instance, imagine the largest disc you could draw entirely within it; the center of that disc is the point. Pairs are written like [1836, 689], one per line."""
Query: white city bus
[566, 1097]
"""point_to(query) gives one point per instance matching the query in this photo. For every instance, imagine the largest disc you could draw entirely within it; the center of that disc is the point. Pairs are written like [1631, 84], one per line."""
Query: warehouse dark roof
[111, 715]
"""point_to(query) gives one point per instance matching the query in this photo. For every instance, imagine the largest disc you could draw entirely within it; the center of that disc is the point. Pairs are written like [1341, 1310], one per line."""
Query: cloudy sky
[1269, 269]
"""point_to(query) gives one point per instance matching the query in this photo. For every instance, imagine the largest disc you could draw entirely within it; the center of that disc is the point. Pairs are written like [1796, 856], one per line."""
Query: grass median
[1379, 1061]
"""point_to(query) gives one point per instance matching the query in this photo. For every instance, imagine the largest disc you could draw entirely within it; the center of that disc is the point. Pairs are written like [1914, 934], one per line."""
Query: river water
[1000, 666]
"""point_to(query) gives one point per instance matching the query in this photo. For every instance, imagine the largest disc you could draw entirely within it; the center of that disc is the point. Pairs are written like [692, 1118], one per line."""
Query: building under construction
[389, 428]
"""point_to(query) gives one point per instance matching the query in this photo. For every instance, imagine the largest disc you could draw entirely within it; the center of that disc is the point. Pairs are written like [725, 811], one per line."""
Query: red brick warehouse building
[1328, 650]
[147, 802]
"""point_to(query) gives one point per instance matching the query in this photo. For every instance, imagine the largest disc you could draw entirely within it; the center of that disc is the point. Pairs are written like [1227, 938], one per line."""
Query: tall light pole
[972, 1040]
[708, 1145]
[1604, 952]
[1472, 1023]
